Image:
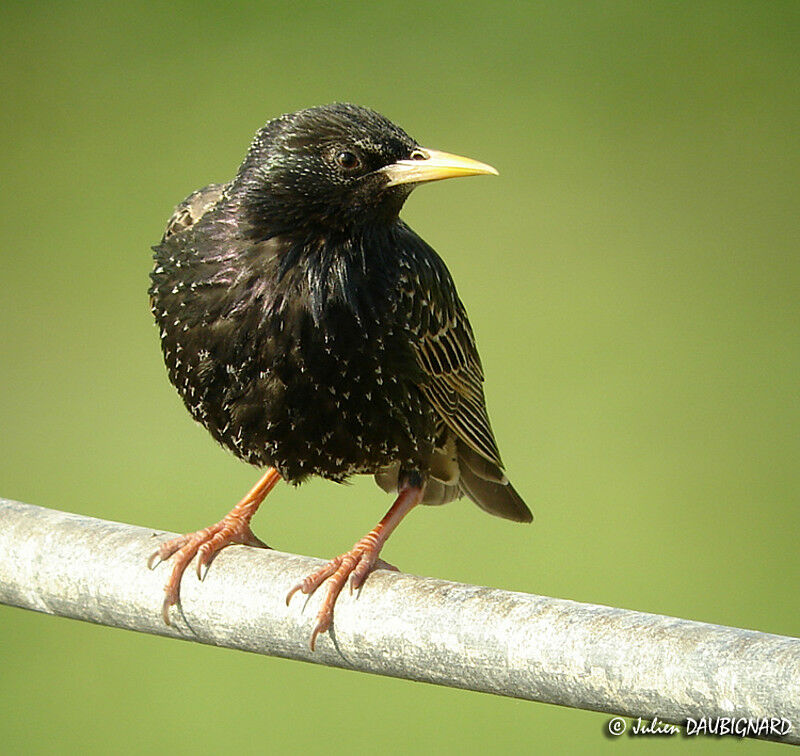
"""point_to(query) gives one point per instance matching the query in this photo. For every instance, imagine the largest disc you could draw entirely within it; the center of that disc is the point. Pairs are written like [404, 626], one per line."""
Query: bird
[313, 333]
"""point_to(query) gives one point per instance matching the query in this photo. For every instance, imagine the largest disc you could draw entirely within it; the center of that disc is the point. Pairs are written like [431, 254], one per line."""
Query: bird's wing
[447, 354]
[452, 380]
[444, 346]
[194, 207]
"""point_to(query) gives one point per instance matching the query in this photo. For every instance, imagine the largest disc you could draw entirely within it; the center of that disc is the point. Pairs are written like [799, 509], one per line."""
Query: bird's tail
[463, 472]
[486, 484]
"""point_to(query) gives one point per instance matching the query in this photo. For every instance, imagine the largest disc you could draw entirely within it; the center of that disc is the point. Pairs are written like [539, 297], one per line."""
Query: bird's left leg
[357, 563]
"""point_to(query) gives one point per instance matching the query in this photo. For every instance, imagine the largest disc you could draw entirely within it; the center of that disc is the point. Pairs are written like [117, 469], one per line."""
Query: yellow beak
[432, 165]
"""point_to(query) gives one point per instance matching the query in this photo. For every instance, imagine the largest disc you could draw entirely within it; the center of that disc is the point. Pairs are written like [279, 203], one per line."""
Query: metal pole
[463, 636]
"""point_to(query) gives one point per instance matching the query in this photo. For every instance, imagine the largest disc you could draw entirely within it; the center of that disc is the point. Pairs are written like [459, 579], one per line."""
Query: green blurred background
[632, 278]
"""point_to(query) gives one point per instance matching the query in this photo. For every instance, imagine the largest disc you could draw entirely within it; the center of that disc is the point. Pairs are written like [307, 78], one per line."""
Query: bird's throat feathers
[336, 274]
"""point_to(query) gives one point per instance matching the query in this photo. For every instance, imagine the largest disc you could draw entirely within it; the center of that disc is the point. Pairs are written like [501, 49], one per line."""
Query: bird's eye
[348, 160]
[418, 155]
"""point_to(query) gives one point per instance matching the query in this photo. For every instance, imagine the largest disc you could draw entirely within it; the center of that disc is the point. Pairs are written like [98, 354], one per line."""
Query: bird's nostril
[419, 155]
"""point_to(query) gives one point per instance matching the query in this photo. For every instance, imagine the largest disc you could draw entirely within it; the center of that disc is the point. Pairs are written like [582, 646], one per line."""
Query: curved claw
[166, 550]
[253, 540]
[313, 581]
[381, 565]
[204, 556]
[291, 593]
[359, 574]
[317, 630]
[169, 601]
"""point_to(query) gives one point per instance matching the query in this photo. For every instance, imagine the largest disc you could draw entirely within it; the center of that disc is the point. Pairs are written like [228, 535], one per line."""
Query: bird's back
[193, 208]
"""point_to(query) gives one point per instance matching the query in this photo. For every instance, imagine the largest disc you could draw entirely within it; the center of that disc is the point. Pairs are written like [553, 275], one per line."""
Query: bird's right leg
[233, 528]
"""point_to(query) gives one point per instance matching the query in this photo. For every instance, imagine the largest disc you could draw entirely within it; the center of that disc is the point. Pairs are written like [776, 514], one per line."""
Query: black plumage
[310, 330]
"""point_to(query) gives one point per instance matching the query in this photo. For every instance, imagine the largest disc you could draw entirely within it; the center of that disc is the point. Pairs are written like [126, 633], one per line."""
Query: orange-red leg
[233, 528]
[357, 563]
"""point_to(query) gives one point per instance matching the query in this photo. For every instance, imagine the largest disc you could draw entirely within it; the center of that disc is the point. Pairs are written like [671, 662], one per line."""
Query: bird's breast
[312, 388]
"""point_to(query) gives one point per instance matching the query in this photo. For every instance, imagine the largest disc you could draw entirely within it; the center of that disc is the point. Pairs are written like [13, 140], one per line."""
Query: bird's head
[336, 167]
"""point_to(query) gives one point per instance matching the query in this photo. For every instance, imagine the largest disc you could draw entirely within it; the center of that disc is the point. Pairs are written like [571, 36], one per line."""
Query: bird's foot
[356, 564]
[233, 528]
[205, 543]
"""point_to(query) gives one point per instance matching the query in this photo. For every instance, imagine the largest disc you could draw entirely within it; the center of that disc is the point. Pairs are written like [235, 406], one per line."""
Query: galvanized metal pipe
[464, 636]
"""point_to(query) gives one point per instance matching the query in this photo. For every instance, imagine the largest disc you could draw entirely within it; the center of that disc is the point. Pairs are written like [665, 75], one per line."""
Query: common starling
[312, 332]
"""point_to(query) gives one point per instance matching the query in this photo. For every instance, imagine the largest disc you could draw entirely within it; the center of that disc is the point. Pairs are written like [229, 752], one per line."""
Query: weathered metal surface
[464, 636]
